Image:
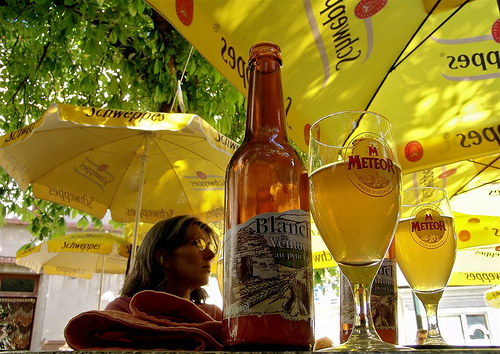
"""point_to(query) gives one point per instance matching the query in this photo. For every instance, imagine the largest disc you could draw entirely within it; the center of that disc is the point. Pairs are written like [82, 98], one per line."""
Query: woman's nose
[209, 254]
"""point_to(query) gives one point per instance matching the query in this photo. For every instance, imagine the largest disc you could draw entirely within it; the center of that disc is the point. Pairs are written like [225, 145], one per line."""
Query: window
[23, 285]
[477, 332]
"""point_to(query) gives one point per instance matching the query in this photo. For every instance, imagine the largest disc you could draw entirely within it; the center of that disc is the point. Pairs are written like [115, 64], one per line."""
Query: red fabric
[212, 310]
[120, 304]
[159, 321]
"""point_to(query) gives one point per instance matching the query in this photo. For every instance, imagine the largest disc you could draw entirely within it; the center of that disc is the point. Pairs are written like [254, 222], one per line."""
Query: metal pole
[100, 285]
[144, 158]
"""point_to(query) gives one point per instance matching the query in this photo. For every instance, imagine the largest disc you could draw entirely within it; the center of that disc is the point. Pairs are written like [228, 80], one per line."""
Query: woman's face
[188, 266]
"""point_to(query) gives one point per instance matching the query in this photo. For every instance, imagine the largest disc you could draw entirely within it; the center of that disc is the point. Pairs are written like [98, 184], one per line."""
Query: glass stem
[432, 320]
[363, 327]
[430, 302]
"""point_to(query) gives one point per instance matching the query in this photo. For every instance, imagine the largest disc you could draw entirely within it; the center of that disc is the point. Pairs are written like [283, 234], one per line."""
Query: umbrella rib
[397, 61]
[178, 146]
[486, 166]
[429, 35]
[166, 158]
[186, 147]
[476, 187]
[97, 146]
[87, 128]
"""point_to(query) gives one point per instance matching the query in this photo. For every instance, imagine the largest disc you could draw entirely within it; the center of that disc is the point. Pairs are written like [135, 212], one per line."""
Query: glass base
[435, 340]
[367, 345]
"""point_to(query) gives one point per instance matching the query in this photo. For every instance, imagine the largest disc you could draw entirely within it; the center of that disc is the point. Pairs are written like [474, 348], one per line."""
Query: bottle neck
[266, 110]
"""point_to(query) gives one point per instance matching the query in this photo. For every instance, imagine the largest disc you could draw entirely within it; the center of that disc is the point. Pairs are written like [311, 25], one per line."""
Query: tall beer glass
[426, 246]
[355, 184]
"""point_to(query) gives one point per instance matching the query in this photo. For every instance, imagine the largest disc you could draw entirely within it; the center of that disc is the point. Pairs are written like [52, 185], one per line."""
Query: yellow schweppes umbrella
[433, 71]
[492, 297]
[141, 166]
[79, 254]
[478, 254]
[473, 185]
[95, 159]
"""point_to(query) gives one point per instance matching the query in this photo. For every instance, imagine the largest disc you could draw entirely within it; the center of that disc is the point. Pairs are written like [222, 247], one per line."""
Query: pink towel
[159, 321]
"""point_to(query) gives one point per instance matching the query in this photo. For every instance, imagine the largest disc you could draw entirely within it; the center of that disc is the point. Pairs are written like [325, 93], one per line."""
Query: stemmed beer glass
[355, 185]
[426, 247]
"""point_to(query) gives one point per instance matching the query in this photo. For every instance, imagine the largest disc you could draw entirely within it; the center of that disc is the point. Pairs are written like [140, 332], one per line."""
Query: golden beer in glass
[426, 247]
[355, 184]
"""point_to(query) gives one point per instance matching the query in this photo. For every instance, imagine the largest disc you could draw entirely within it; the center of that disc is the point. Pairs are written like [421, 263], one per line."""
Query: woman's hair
[165, 235]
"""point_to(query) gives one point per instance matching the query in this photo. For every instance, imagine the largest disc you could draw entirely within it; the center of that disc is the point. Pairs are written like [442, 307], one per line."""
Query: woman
[175, 257]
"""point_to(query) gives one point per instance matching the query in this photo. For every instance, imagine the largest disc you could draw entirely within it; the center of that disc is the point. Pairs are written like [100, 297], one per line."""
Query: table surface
[420, 350]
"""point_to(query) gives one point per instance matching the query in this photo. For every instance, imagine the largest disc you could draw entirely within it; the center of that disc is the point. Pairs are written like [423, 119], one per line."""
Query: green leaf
[157, 66]
[132, 8]
[113, 37]
[83, 222]
[141, 6]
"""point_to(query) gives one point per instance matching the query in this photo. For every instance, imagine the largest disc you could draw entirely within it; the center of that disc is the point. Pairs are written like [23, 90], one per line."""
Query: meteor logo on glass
[370, 166]
[428, 227]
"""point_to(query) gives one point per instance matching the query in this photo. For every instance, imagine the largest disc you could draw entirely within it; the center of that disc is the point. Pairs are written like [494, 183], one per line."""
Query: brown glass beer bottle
[383, 304]
[268, 297]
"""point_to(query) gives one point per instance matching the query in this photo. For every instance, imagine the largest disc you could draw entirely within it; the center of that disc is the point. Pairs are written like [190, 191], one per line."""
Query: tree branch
[23, 83]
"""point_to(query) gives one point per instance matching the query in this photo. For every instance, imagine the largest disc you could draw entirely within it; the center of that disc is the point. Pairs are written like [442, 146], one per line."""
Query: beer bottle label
[268, 265]
[384, 301]
[346, 305]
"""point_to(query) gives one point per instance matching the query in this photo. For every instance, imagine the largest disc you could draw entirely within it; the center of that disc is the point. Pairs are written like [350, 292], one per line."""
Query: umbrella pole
[100, 285]
[138, 208]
